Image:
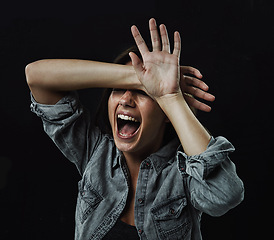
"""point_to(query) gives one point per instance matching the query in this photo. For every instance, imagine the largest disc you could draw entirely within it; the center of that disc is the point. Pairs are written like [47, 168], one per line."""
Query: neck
[133, 163]
[134, 160]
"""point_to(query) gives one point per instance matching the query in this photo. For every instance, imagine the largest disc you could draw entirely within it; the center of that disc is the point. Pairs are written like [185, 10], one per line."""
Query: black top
[122, 230]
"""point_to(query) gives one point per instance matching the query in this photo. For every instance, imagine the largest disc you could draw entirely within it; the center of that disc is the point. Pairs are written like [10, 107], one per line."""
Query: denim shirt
[173, 189]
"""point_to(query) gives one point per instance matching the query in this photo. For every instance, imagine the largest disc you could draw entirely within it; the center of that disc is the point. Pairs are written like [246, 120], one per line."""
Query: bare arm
[160, 75]
[49, 80]
[192, 134]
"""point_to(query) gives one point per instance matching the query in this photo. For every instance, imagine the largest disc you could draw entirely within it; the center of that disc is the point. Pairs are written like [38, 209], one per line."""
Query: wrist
[172, 104]
[169, 100]
[131, 80]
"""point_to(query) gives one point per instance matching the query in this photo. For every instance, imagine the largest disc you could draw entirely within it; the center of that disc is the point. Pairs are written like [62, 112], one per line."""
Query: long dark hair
[102, 120]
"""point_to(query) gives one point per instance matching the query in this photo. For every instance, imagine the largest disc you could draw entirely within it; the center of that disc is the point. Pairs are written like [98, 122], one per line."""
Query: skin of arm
[49, 80]
[160, 75]
[192, 134]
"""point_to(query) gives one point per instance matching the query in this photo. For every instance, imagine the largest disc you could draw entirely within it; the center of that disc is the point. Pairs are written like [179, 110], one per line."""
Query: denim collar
[164, 155]
[159, 159]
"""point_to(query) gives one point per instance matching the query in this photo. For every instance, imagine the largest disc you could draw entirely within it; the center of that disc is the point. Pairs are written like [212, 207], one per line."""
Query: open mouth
[127, 126]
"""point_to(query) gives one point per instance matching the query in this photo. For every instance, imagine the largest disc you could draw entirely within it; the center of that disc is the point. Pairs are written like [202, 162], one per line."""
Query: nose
[127, 100]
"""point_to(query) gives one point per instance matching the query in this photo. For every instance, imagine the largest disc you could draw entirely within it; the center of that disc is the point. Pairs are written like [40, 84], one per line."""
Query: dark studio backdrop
[231, 42]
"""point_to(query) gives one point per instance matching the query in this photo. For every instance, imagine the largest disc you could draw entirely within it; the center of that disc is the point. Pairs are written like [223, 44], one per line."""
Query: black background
[229, 41]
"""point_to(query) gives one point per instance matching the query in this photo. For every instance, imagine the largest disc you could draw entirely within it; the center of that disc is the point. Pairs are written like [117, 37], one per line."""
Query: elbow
[29, 74]
[228, 201]
[33, 74]
[237, 194]
[218, 203]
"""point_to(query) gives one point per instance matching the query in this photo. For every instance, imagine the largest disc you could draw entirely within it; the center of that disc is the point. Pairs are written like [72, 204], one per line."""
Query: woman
[135, 184]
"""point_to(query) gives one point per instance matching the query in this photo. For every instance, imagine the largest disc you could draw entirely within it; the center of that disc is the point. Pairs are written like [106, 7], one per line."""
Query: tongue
[129, 128]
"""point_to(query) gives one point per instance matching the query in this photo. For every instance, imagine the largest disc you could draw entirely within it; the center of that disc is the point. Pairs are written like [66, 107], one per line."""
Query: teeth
[124, 135]
[127, 118]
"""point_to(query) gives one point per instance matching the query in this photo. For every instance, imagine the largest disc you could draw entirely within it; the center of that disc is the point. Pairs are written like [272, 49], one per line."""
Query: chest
[156, 201]
[149, 189]
[127, 215]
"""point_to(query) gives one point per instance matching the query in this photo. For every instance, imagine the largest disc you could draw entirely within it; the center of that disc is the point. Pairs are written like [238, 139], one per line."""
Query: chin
[125, 145]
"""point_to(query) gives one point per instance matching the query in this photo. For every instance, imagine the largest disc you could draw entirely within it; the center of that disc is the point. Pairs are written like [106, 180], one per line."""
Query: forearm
[193, 136]
[62, 75]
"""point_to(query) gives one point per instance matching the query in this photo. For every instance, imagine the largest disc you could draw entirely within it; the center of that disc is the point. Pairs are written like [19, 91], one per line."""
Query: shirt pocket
[88, 200]
[171, 218]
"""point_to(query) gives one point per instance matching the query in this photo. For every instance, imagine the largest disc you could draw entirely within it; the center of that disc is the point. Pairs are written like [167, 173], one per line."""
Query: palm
[160, 70]
[160, 73]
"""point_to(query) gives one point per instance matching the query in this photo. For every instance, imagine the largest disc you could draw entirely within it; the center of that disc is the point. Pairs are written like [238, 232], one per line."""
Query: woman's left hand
[192, 86]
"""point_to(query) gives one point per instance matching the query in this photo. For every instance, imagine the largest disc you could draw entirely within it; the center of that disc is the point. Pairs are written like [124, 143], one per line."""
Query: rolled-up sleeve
[68, 124]
[213, 183]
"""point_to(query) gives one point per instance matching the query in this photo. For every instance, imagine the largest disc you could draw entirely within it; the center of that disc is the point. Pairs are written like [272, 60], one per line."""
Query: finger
[155, 38]
[177, 44]
[196, 92]
[191, 70]
[136, 63]
[139, 40]
[196, 82]
[197, 104]
[164, 38]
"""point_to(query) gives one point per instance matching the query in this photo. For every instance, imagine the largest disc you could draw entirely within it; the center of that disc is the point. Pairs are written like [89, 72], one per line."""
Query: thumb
[136, 63]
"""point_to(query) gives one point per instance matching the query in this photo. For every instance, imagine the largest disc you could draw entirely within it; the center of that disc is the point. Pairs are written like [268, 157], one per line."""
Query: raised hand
[160, 71]
[160, 75]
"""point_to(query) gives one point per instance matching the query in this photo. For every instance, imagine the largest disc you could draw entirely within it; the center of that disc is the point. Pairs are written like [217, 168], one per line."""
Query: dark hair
[102, 120]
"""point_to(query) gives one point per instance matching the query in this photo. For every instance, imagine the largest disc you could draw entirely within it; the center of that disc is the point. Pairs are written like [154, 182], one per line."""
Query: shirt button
[172, 211]
[147, 164]
[140, 200]
[140, 231]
